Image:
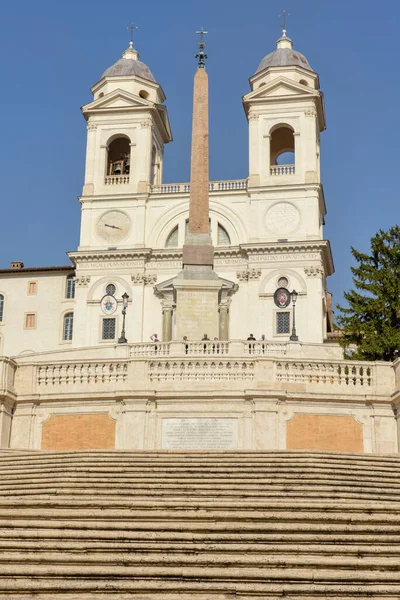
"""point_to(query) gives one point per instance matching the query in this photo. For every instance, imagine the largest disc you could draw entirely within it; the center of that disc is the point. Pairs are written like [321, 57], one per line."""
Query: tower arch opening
[119, 156]
[282, 150]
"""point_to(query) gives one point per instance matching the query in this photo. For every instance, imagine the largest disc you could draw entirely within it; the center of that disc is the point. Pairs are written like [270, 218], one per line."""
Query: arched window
[68, 326]
[70, 287]
[172, 239]
[1, 307]
[119, 152]
[282, 146]
[223, 236]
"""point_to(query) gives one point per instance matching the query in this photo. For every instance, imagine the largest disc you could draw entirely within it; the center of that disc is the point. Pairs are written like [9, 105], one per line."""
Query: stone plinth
[197, 308]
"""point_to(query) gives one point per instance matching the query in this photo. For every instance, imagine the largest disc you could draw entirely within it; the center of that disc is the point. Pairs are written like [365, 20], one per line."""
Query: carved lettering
[200, 434]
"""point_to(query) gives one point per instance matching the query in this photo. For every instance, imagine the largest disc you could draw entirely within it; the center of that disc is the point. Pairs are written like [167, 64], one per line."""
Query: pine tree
[372, 319]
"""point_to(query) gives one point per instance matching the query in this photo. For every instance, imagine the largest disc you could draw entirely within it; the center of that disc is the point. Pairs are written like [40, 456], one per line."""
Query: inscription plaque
[199, 434]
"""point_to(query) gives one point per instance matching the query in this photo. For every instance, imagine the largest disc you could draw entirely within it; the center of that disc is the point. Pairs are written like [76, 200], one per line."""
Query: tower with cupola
[127, 128]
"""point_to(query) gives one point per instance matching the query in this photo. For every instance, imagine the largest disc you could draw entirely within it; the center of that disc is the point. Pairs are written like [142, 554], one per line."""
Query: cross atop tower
[132, 28]
[284, 16]
[201, 54]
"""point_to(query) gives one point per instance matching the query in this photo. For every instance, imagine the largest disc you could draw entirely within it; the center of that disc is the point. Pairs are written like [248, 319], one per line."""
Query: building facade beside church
[63, 370]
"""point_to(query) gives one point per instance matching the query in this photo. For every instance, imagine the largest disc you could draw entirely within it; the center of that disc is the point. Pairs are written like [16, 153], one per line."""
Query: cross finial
[284, 16]
[132, 28]
[201, 54]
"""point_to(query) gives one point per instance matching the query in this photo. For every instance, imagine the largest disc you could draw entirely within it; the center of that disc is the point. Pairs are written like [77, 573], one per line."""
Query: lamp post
[294, 337]
[122, 339]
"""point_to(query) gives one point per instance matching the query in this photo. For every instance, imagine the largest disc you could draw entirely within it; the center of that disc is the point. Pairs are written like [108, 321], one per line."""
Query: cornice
[101, 256]
[243, 252]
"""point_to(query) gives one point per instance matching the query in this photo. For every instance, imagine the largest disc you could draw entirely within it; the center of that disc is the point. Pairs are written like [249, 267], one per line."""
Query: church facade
[66, 382]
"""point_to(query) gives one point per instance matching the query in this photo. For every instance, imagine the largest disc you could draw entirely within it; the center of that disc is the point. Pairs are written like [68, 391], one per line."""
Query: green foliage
[372, 319]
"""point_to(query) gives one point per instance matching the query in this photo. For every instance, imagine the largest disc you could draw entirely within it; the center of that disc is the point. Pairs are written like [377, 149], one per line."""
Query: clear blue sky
[52, 52]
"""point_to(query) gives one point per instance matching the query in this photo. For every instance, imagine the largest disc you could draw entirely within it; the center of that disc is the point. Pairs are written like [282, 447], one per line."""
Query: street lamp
[125, 298]
[293, 337]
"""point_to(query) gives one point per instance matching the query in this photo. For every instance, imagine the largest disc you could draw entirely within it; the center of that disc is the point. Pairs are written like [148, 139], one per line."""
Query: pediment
[116, 100]
[280, 87]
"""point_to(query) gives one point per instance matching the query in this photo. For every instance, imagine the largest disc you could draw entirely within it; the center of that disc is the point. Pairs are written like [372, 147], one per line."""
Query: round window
[110, 289]
[283, 282]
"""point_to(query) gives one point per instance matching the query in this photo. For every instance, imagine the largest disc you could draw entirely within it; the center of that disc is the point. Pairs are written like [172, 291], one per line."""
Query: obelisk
[197, 286]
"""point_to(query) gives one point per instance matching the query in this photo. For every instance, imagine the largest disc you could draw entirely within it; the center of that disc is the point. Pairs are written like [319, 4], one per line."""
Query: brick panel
[324, 432]
[78, 432]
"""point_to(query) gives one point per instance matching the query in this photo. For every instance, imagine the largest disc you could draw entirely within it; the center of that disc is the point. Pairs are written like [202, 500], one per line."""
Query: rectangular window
[32, 288]
[1, 307]
[282, 322]
[68, 326]
[30, 321]
[70, 287]
[108, 332]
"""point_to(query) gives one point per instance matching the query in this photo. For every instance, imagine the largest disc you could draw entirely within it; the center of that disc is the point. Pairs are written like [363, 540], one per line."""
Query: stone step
[205, 526]
[296, 494]
[9, 561]
[182, 473]
[364, 548]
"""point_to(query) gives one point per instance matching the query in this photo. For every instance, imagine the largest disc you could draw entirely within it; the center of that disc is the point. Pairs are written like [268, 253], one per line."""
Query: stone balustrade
[264, 365]
[90, 372]
[213, 186]
[352, 374]
[283, 170]
[116, 179]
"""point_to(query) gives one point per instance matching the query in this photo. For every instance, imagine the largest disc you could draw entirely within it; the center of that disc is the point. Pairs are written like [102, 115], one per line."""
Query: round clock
[283, 218]
[113, 226]
[282, 298]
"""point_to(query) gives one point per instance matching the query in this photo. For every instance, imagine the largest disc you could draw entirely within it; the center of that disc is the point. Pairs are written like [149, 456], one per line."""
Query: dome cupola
[129, 65]
[284, 56]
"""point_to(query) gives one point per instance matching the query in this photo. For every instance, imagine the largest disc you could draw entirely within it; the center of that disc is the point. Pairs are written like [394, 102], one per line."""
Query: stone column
[167, 323]
[224, 322]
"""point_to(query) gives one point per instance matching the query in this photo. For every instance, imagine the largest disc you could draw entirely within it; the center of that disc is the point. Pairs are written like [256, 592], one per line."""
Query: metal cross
[284, 16]
[201, 55]
[132, 27]
[201, 33]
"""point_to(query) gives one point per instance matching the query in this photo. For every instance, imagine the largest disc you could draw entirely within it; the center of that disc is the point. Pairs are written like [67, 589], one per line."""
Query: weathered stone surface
[211, 525]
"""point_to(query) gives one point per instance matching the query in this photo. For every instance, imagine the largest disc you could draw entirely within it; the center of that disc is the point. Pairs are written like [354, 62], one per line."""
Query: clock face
[113, 226]
[283, 218]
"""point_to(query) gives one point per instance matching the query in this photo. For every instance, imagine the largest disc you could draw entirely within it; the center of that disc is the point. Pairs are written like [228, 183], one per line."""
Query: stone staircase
[201, 526]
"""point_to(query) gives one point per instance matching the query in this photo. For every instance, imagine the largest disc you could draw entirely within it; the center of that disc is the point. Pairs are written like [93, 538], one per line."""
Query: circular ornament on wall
[283, 218]
[108, 305]
[113, 226]
[282, 298]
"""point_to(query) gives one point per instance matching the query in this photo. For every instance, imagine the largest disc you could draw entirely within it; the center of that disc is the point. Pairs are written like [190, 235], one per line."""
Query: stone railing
[81, 373]
[116, 179]
[213, 186]
[206, 348]
[270, 365]
[265, 348]
[347, 374]
[283, 170]
[208, 370]
[152, 349]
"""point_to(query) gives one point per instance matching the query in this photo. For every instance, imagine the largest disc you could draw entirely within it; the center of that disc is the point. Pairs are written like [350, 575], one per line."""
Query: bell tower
[285, 111]
[127, 128]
